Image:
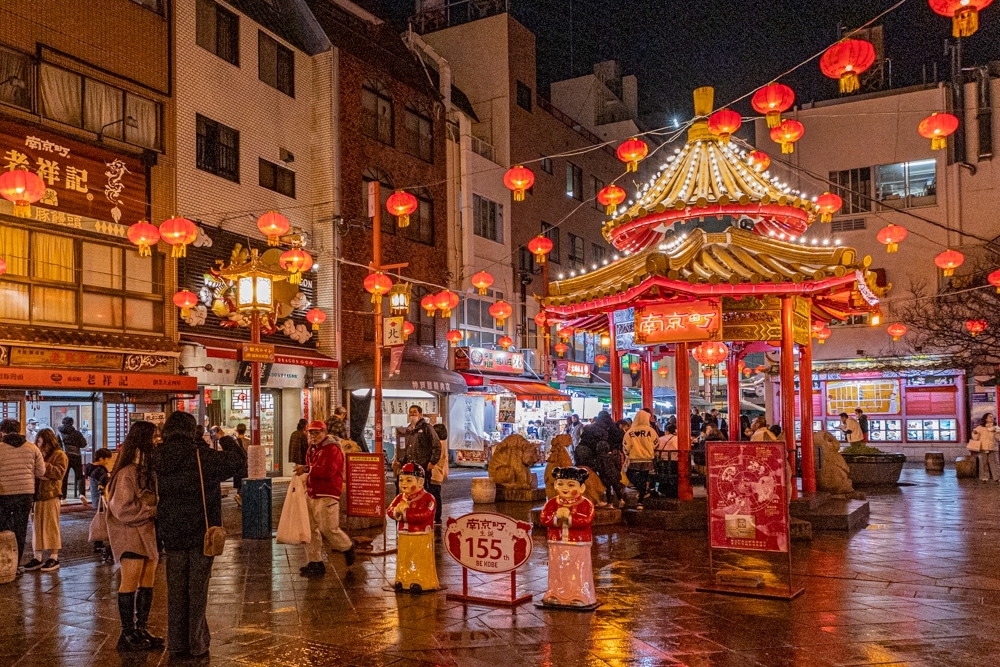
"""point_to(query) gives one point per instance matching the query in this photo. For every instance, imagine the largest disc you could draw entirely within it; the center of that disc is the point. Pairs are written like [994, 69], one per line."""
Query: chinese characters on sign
[392, 331]
[625, 329]
[96, 380]
[257, 352]
[506, 409]
[30, 356]
[673, 323]
[490, 361]
[365, 484]
[747, 503]
[487, 542]
[564, 368]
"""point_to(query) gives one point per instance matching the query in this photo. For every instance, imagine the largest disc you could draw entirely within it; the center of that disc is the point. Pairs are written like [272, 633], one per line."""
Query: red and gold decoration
[747, 372]
[506, 342]
[710, 353]
[632, 152]
[634, 367]
[315, 317]
[296, 261]
[787, 133]
[542, 320]
[401, 204]
[994, 279]
[145, 235]
[600, 360]
[179, 233]
[500, 311]
[896, 330]
[565, 332]
[964, 14]
[22, 188]
[823, 334]
[561, 349]
[519, 179]
[408, 328]
[759, 160]
[724, 123]
[846, 60]
[273, 225]
[891, 236]
[948, 261]
[938, 127]
[829, 204]
[663, 371]
[772, 100]
[454, 337]
[427, 303]
[378, 285]
[185, 300]
[3, 266]
[610, 197]
[540, 247]
[976, 327]
[445, 301]
[482, 281]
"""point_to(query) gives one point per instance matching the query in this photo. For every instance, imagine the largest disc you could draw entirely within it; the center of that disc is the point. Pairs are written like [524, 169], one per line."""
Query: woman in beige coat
[45, 534]
[985, 435]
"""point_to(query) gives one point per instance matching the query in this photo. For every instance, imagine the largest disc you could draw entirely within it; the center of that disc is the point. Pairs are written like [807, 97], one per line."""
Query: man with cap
[568, 517]
[324, 470]
[413, 510]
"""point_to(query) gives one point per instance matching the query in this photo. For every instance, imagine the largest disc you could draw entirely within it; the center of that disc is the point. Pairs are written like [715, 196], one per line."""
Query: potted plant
[870, 466]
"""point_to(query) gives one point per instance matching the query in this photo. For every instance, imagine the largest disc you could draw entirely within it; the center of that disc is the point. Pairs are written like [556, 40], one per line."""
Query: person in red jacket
[324, 470]
[413, 510]
[568, 518]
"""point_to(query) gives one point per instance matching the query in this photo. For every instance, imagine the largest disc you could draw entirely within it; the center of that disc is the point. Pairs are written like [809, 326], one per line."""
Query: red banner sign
[488, 361]
[570, 369]
[94, 380]
[488, 542]
[365, 484]
[747, 496]
[672, 323]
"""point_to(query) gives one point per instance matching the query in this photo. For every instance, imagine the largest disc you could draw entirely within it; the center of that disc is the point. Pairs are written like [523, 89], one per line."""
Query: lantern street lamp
[399, 298]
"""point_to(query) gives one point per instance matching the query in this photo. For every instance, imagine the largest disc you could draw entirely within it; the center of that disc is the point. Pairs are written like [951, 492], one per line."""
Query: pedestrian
[297, 444]
[132, 535]
[851, 429]
[73, 443]
[190, 499]
[324, 470]
[640, 444]
[32, 429]
[21, 463]
[201, 433]
[745, 430]
[610, 460]
[985, 437]
[585, 454]
[760, 432]
[216, 434]
[422, 444]
[440, 472]
[862, 419]
[45, 534]
[99, 473]
[696, 422]
[652, 422]
[574, 427]
[244, 442]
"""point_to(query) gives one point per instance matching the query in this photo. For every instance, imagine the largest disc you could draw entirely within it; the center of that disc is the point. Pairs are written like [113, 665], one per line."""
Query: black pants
[435, 490]
[237, 483]
[612, 480]
[188, 572]
[14, 511]
[76, 465]
[639, 479]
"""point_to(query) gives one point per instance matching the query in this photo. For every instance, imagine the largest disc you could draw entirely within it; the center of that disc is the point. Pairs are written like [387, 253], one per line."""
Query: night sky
[674, 46]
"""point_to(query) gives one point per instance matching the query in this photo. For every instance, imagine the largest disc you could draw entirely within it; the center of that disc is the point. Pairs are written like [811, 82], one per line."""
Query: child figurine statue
[413, 510]
[568, 517]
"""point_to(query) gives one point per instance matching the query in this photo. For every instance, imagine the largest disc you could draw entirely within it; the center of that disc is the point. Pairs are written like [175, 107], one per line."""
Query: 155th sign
[487, 542]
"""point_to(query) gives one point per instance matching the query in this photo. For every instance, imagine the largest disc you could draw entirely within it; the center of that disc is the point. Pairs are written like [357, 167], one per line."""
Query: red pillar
[684, 491]
[615, 370]
[733, 395]
[646, 361]
[806, 414]
[788, 382]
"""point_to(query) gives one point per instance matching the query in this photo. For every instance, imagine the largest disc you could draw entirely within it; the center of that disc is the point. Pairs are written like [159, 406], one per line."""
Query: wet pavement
[920, 586]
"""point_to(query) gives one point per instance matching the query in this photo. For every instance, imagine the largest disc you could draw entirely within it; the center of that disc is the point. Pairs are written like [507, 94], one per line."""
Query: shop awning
[221, 348]
[603, 392]
[531, 391]
[413, 375]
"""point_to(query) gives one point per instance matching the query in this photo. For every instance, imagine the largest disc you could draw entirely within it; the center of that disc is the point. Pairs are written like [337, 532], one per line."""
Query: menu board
[365, 484]
[747, 496]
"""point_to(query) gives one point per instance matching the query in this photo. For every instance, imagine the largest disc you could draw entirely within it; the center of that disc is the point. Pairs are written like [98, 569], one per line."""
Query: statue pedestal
[520, 495]
[484, 490]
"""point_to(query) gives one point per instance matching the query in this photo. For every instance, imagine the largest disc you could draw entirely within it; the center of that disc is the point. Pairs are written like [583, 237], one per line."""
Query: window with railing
[218, 30]
[854, 186]
[376, 111]
[16, 78]
[218, 149]
[487, 218]
[906, 184]
[484, 148]
[419, 135]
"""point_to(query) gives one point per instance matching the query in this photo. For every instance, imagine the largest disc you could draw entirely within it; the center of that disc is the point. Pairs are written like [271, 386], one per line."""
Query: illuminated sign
[570, 369]
[673, 323]
[489, 361]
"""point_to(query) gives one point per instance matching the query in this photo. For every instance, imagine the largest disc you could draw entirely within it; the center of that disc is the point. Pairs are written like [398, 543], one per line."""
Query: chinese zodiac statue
[833, 476]
[559, 458]
[568, 518]
[510, 465]
[413, 510]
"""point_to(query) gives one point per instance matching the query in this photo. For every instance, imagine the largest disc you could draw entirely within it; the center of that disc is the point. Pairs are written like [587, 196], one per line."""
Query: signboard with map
[874, 396]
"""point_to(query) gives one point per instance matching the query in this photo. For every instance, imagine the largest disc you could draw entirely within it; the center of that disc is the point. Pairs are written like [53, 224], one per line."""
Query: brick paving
[920, 587]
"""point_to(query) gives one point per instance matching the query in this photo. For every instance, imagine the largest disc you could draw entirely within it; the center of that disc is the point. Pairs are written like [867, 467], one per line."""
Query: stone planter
[874, 469]
[484, 490]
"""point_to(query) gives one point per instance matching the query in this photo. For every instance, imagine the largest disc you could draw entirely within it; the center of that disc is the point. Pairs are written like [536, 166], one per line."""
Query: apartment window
[56, 279]
[15, 79]
[487, 217]
[524, 96]
[598, 253]
[386, 189]
[421, 227]
[552, 233]
[855, 187]
[596, 186]
[420, 135]
[277, 178]
[218, 31]
[275, 64]
[527, 261]
[218, 149]
[474, 318]
[376, 111]
[849, 225]
[423, 324]
[547, 165]
[576, 259]
[574, 181]
[906, 184]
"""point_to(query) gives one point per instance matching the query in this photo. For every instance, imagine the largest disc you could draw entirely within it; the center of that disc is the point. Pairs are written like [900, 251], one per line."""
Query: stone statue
[832, 477]
[510, 465]
[559, 457]
[349, 446]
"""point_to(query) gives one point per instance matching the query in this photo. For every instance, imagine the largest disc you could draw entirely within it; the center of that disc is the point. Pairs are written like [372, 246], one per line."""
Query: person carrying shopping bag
[984, 443]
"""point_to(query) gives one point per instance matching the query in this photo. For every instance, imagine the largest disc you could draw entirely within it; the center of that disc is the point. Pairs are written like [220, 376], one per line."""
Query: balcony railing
[480, 147]
[440, 14]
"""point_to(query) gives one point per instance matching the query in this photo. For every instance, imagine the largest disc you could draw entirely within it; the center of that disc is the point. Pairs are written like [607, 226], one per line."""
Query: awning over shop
[603, 391]
[531, 391]
[413, 375]
[221, 348]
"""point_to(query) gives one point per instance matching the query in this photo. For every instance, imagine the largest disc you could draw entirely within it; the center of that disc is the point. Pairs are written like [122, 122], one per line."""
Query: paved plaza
[920, 586]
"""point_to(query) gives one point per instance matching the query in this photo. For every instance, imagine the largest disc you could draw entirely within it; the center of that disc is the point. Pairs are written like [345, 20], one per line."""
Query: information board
[365, 484]
[747, 496]
[488, 542]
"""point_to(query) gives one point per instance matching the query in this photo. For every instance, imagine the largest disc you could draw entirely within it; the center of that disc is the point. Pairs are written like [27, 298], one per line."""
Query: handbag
[99, 524]
[293, 526]
[974, 446]
[215, 536]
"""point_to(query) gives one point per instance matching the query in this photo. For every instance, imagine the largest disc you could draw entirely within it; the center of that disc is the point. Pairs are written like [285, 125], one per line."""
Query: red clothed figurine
[413, 510]
[568, 518]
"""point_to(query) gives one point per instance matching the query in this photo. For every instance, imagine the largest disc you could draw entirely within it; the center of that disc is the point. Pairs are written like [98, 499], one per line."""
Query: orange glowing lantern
[144, 235]
[445, 301]
[846, 60]
[561, 349]
[707, 371]
[994, 279]
[747, 372]
[408, 328]
[185, 300]
[454, 337]
[565, 332]
[378, 285]
[759, 160]
[828, 204]
[178, 232]
[296, 261]
[710, 353]
[540, 246]
[610, 197]
[500, 311]
[519, 179]
[22, 188]
[948, 261]
[506, 342]
[634, 367]
[772, 100]
[3, 266]
[892, 235]
[787, 133]
[427, 303]
[897, 330]
[724, 122]
[938, 127]
[542, 320]
[741, 365]
[482, 281]
[600, 360]
[632, 152]
[976, 327]
[273, 225]
[964, 14]
[823, 334]
[663, 371]
[401, 204]
[315, 317]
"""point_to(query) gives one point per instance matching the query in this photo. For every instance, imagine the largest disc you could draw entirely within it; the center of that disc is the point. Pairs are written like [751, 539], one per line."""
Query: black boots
[130, 640]
[143, 603]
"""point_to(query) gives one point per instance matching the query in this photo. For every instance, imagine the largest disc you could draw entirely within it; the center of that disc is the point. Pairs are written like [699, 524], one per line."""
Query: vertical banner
[395, 360]
[365, 484]
[465, 421]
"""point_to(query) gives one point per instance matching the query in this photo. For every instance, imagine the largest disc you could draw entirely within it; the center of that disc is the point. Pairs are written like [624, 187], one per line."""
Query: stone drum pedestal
[484, 490]
[934, 461]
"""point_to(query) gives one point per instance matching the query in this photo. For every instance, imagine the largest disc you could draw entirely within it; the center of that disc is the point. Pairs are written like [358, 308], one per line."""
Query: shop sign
[158, 418]
[46, 358]
[365, 484]
[688, 322]
[259, 352]
[401, 406]
[624, 329]
[747, 508]
[488, 361]
[392, 331]
[879, 397]
[95, 381]
[570, 369]
[488, 542]
[759, 319]
[85, 186]
[506, 409]
[245, 373]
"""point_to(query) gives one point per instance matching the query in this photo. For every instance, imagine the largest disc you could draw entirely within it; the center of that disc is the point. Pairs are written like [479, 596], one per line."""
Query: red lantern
[427, 303]
[316, 317]
[707, 371]
[632, 152]
[500, 311]
[408, 328]
[23, 188]
[787, 133]
[185, 300]
[401, 204]
[760, 369]
[759, 160]
[964, 14]
[710, 353]
[845, 60]
[600, 360]
[178, 232]
[663, 371]
[454, 337]
[823, 334]
[772, 100]
[482, 281]
[891, 236]
[610, 197]
[273, 225]
[518, 179]
[634, 367]
[828, 204]
[565, 332]
[296, 261]
[747, 372]
[540, 246]
[976, 327]
[378, 285]
[561, 349]
[542, 320]
[948, 261]
[144, 235]
[741, 364]
[445, 301]
[994, 279]
[3, 268]
[938, 127]
[506, 342]
[724, 122]
[897, 330]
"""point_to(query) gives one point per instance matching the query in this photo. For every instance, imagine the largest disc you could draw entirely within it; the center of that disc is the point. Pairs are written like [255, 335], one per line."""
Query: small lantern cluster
[938, 127]
[710, 353]
[948, 261]
[610, 197]
[401, 204]
[724, 123]
[976, 327]
[632, 152]
[828, 204]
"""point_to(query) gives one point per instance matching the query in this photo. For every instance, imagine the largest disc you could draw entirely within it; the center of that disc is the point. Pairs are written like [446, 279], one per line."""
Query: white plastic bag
[293, 527]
